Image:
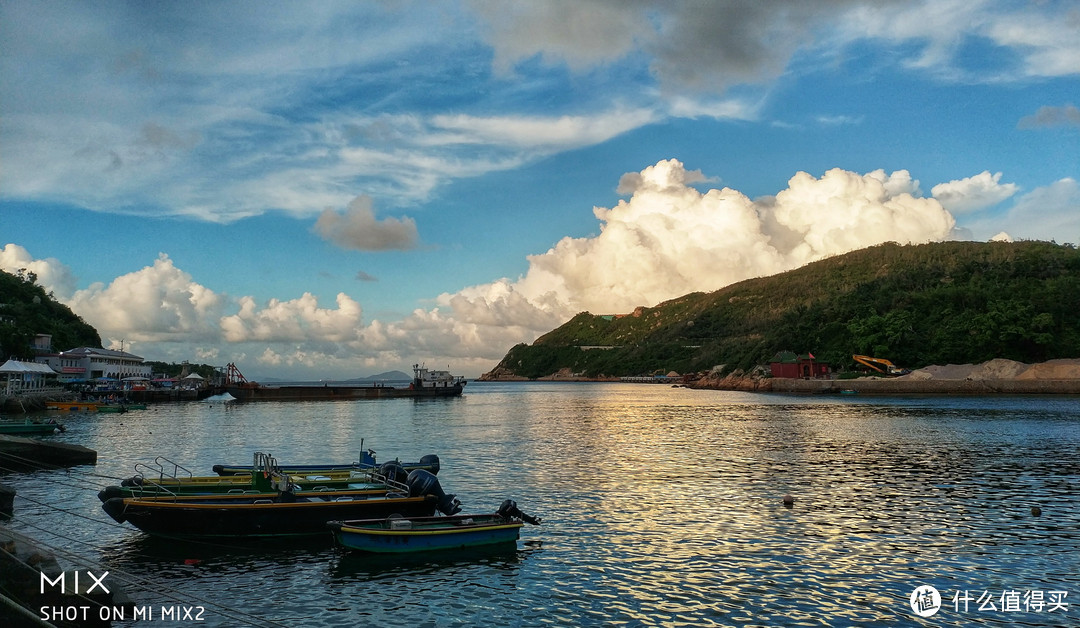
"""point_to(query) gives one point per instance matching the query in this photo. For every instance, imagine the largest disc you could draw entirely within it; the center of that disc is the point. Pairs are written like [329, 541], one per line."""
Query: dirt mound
[1053, 369]
[948, 371]
[1000, 369]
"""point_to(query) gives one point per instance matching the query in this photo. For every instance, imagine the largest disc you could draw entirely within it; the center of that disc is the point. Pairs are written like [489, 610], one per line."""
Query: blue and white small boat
[394, 535]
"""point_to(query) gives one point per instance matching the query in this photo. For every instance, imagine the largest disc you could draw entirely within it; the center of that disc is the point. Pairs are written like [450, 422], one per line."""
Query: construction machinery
[881, 365]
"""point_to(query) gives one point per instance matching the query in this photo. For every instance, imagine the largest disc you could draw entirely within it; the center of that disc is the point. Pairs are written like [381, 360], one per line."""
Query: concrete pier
[21, 453]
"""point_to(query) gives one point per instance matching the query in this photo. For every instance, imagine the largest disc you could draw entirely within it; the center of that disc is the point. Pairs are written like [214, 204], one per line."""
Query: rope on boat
[146, 584]
[66, 512]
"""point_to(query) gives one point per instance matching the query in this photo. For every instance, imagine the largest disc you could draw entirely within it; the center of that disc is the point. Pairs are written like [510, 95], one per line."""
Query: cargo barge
[425, 383]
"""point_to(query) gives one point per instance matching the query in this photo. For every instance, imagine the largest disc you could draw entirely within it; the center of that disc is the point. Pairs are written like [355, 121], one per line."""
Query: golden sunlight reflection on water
[661, 506]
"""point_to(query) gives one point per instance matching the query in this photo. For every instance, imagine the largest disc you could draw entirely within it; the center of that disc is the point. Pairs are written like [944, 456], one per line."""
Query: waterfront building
[90, 363]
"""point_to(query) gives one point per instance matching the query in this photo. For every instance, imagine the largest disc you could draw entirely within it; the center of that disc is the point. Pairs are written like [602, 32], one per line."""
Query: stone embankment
[994, 377]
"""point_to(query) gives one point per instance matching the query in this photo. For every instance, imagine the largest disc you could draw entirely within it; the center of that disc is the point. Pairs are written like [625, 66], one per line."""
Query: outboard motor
[431, 461]
[423, 482]
[509, 509]
[393, 471]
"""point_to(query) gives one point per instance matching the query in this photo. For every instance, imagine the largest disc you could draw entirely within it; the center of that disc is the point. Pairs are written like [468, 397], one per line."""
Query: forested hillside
[940, 303]
[26, 310]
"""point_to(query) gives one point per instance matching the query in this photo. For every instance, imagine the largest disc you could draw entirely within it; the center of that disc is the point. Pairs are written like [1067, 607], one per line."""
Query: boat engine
[431, 461]
[423, 482]
[509, 509]
[393, 471]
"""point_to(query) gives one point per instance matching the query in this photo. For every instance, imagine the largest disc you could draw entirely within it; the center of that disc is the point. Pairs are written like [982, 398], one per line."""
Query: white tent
[15, 366]
[194, 376]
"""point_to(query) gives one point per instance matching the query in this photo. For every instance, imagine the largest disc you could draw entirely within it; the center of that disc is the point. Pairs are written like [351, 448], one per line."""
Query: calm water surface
[661, 507]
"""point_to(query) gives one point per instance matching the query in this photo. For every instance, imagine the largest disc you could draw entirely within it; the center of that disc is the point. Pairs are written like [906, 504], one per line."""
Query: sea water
[661, 507]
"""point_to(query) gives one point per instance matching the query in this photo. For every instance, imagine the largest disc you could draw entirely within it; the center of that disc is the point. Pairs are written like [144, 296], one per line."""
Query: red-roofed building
[794, 366]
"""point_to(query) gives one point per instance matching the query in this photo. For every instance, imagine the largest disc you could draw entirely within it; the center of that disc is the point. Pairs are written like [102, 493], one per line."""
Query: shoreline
[996, 377]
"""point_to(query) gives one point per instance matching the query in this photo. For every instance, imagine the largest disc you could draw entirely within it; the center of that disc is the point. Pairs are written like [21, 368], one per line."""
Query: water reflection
[661, 506]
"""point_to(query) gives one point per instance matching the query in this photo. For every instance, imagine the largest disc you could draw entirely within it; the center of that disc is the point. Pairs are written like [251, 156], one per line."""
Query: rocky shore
[998, 376]
[994, 377]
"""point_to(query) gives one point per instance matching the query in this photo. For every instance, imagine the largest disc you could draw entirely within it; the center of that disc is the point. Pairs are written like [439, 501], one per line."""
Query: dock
[17, 452]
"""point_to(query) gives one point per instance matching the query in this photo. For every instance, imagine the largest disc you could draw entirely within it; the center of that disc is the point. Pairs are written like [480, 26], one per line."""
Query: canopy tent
[15, 366]
[194, 376]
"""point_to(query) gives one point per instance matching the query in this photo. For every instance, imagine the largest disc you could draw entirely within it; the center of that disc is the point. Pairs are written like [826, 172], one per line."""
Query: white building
[90, 363]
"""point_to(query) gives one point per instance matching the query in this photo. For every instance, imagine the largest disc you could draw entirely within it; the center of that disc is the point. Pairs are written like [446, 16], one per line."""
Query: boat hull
[234, 485]
[30, 427]
[425, 534]
[236, 517]
[73, 406]
[335, 393]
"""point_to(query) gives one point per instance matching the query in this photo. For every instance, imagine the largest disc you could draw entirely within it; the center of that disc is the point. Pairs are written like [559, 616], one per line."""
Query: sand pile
[1053, 369]
[1000, 369]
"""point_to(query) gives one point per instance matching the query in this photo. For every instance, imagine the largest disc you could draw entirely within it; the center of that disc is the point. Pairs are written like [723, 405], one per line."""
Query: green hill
[26, 310]
[941, 303]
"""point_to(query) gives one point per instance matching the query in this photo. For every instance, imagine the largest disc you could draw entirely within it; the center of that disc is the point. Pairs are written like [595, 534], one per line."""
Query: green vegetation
[916, 305]
[26, 310]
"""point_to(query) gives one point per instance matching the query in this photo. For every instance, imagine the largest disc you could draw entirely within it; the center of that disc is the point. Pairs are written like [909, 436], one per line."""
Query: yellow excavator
[881, 365]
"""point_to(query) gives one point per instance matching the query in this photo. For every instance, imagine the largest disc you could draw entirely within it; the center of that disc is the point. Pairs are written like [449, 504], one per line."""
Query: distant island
[388, 376]
[916, 305]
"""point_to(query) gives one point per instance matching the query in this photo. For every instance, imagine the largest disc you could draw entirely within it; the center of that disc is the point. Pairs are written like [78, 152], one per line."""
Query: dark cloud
[358, 229]
[1069, 115]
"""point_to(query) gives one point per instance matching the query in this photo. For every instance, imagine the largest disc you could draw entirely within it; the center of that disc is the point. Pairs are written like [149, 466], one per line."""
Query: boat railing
[150, 488]
[393, 486]
[162, 462]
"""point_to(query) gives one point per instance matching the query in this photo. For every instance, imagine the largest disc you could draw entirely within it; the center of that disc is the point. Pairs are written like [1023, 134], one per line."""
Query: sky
[328, 190]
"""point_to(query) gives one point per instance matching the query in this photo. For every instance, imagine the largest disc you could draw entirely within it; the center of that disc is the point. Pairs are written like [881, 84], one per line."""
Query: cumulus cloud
[971, 194]
[666, 239]
[52, 274]
[295, 320]
[358, 229]
[158, 303]
[669, 239]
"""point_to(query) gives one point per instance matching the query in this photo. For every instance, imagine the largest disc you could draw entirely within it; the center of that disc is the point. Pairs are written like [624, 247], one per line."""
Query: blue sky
[332, 189]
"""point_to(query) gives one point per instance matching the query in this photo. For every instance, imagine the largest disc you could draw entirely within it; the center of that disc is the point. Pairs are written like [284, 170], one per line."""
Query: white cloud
[52, 274]
[159, 303]
[971, 194]
[358, 229]
[1047, 213]
[195, 121]
[296, 320]
[669, 239]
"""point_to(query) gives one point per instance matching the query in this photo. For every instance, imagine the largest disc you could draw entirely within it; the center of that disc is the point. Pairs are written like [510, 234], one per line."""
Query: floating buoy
[1035, 510]
[789, 501]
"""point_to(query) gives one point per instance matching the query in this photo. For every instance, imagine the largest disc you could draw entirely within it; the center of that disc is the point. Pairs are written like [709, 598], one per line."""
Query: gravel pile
[1000, 369]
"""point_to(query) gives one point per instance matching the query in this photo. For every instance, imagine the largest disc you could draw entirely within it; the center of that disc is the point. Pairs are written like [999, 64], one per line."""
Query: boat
[393, 535]
[72, 406]
[426, 383]
[157, 478]
[31, 427]
[366, 463]
[287, 512]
